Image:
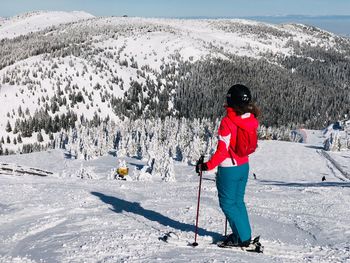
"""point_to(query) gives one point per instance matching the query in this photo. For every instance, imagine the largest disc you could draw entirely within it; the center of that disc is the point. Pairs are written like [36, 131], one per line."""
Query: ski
[254, 246]
[173, 239]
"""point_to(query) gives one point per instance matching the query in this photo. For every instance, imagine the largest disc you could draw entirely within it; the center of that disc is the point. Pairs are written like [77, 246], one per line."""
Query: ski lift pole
[201, 159]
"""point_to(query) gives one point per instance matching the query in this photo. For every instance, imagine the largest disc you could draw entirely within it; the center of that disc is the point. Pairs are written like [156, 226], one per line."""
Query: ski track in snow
[62, 219]
[345, 174]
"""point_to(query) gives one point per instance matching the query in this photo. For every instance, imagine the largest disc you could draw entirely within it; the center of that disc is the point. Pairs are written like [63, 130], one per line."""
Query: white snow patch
[66, 219]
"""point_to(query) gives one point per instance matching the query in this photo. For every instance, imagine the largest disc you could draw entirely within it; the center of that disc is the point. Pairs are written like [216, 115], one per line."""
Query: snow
[13, 96]
[37, 21]
[342, 158]
[62, 218]
[150, 42]
[80, 214]
[197, 35]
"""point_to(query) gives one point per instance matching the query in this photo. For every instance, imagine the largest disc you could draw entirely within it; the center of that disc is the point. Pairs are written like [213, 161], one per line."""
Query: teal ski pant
[231, 183]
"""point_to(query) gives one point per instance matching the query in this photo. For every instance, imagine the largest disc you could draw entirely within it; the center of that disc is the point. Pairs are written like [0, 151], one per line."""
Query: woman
[233, 169]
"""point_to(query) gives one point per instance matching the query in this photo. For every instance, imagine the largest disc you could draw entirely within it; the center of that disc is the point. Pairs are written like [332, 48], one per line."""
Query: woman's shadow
[119, 205]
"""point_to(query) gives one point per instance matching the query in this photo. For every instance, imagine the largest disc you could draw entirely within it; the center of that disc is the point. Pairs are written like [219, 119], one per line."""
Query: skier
[233, 168]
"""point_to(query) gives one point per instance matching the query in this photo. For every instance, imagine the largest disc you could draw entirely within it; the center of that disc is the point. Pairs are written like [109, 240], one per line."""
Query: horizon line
[301, 16]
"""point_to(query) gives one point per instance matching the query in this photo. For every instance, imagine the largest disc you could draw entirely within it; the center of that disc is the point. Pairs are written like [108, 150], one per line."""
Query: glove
[199, 164]
[204, 167]
[201, 167]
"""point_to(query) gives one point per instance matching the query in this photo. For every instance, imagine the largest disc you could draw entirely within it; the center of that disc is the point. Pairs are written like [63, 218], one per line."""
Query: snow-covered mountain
[93, 69]
[148, 92]
[37, 21]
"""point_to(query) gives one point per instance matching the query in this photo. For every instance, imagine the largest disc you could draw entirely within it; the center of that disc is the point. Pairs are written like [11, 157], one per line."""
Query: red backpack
[246, 141]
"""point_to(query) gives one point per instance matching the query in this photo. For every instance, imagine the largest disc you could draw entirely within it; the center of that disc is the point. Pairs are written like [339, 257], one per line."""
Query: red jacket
[227, 137]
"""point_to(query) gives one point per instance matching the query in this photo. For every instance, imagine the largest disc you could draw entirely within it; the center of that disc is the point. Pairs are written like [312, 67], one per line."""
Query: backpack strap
[234, 140]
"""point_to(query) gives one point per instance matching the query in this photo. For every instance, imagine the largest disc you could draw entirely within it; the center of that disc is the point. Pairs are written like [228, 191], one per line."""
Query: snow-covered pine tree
[169, 171]
[8, 127]
[40, 137]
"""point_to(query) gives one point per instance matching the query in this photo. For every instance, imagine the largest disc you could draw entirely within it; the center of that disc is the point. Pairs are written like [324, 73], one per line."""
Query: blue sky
[182, 8]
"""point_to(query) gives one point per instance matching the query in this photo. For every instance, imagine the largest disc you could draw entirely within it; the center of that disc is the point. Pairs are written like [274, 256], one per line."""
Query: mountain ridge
[116, 67]
[38, 20]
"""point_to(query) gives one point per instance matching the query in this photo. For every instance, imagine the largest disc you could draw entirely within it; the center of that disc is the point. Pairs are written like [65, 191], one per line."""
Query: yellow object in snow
[122, 171]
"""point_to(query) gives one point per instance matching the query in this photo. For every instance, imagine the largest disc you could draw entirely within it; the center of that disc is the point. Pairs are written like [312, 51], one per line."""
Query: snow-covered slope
[85, 67]
[102, 66]
[36, 21]
[61, 218]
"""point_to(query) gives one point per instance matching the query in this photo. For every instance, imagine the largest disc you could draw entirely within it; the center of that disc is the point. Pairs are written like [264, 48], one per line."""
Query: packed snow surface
[63, 218]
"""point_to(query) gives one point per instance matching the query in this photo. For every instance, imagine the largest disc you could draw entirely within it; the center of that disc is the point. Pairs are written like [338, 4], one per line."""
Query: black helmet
[238, 95]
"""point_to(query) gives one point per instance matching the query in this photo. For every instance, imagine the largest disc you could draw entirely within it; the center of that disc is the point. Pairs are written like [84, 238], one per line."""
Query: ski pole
[225, 226]
[201, 159]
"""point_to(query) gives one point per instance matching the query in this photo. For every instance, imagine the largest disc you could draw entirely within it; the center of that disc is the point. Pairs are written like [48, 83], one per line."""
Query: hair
[244, 108]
